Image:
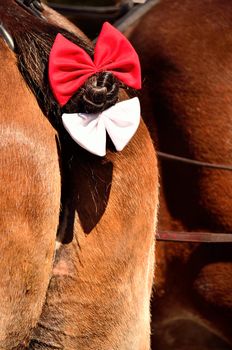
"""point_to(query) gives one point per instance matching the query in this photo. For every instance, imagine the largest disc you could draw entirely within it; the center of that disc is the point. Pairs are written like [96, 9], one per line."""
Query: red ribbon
[70, 66]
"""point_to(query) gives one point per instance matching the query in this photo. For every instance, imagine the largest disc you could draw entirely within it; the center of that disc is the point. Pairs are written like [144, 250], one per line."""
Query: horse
[77, 230]
[185, 52]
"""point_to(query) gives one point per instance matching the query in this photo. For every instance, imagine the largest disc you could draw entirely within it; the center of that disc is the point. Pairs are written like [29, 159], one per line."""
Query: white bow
[119, 121]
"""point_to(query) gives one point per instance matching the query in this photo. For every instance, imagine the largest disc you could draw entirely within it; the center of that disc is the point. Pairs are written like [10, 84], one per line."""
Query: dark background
[89, 15]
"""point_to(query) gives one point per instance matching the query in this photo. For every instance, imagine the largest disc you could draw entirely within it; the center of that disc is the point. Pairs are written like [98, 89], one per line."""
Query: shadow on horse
[94, 291]
[186, 57]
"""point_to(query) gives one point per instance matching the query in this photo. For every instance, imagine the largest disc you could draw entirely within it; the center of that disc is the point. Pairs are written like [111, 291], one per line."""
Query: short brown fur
[185, 50]
[30, 195]
[100, 286]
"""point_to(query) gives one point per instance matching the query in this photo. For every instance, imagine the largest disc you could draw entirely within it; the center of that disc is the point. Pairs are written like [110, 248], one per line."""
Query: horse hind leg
[28, 222]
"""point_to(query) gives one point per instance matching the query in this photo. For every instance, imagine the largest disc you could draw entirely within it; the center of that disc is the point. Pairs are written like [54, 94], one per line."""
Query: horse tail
[98, 93]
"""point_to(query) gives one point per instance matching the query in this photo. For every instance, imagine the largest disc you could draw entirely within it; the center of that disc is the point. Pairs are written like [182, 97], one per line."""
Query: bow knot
[70, 66]
[120, 122]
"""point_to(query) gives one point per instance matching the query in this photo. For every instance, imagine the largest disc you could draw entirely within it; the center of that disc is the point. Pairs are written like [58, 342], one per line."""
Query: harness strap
[197, 237]
[7, 37]
[137, 11]
[91, 10]
[32, 6]
[194, 162]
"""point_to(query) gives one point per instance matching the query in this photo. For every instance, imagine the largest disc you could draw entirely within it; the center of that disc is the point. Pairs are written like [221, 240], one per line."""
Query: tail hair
[98, 93]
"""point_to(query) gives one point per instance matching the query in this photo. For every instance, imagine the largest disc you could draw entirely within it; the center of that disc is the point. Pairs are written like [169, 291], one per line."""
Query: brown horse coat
[29, 202]
[186, 56]
[100, 286]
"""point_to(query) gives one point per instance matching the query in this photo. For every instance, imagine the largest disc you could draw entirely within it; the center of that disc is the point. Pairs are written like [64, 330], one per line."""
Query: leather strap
[198, 237]
[172, 157]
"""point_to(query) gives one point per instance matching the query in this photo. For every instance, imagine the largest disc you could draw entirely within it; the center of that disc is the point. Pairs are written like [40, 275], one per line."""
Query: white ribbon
[119, 121]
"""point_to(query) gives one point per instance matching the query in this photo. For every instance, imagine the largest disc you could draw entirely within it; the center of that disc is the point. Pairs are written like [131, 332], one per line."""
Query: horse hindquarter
[99, 295]
[29, 205]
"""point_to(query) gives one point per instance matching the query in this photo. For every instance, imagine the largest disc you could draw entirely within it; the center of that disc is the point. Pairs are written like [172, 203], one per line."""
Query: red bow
[70, 66]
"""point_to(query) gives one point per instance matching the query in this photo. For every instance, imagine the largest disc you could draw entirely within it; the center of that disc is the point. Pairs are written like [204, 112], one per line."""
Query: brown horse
[186, 56]
[100, 280]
